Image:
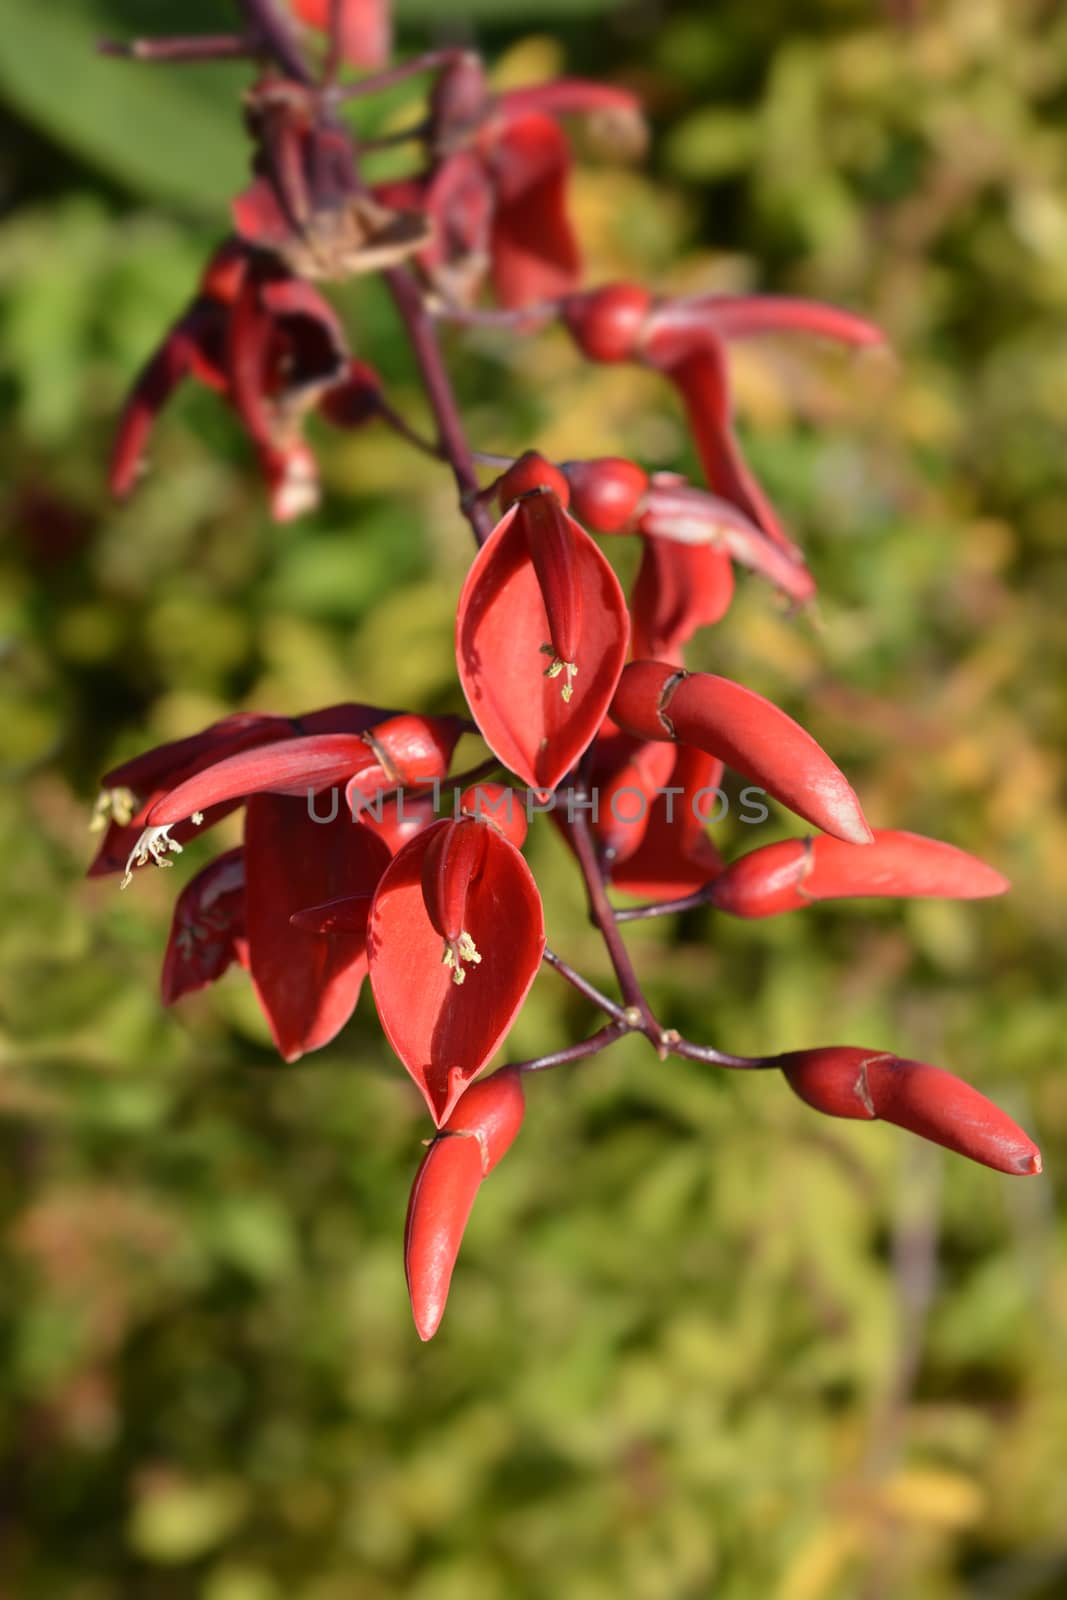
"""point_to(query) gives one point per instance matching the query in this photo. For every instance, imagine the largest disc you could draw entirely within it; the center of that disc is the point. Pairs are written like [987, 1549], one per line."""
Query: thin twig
[601, 911]
[718, 1058]
[453, 439]
[193, 47]
[576, 1052]
[584, 987]
[272, 26]
[665, 908]
[430, 61]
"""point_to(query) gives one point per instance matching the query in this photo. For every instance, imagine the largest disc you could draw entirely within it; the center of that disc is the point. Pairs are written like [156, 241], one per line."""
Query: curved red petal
[502, 627]
[307, 984]
[443, 1030]
[208, 923]
[533, 248]
[675, 856]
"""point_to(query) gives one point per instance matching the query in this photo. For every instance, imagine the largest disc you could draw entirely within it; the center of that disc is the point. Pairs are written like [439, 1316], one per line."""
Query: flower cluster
[349, 867]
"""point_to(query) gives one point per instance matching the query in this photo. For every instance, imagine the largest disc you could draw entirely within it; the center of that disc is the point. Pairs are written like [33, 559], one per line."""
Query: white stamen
[153, 846]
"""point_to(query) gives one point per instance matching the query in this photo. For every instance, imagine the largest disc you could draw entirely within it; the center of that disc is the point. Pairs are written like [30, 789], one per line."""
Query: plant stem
[719, 1058]
[430, 61]
[584, 987]
[193, 47]
[439, 392]
[575, 1052]
[272, 26]
[665, 908]
[601, 911]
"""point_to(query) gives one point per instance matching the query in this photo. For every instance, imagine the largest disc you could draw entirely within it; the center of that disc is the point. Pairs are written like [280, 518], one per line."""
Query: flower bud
[606, 323]
[606, 493]
[843, 1081]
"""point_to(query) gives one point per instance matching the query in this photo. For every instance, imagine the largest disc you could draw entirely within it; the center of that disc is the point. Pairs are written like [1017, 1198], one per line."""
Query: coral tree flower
[541, 631]
[251, 905]
[477, 1134]
[748, 733]
[794, 873]
[496, 190]
[843, 1081]
[457, 932]
[686, 340]
[675, 856]
[270, 345]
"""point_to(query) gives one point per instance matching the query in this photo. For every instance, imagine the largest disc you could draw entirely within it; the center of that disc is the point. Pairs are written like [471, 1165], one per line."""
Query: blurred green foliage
[700, 1342]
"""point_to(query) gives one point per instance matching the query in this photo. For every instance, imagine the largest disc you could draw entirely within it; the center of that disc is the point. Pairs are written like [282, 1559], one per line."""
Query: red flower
[755, 738]
[267, 342]
[686, 341]
[366, 27]
[794, 873]
[252, 905]
[541, 634]
[456, 938]
[496, 192]
[478, 1133]
[842, 1081]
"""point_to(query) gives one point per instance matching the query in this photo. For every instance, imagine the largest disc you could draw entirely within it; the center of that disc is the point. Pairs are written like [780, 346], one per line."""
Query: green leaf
[173, 133]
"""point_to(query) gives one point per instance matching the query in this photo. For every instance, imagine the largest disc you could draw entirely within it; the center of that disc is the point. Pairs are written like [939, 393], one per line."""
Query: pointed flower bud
[456, 938]
[475, 1137]
[539, 587]
[793, 873]
[843, 1081]
[748, 733]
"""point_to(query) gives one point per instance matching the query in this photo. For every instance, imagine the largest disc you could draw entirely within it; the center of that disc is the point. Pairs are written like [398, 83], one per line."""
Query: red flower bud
[530, 475]
[843, 1081]
[793, 873]
[414, 750]
[479, 1132]
[606, 493]
[606, 324]
[498, 805]
[746, 731]
[456, 938]
[539, 588]
[626, 775]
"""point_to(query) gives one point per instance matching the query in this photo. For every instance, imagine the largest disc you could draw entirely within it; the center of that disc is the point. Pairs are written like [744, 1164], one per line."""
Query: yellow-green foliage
[689, 1350]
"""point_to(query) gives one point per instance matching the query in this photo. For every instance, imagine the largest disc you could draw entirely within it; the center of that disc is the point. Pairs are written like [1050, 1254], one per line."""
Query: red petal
[679, 512]
[534, 251]
[679, 588]
[743, 316]
[791, 874]
[676, 857]
[290, 767]
[444, 1032]
[695, 362]
[501, 628]
[208, 924]
[842, 1081]
[625, 775]
[366, 27]
[307, 984]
